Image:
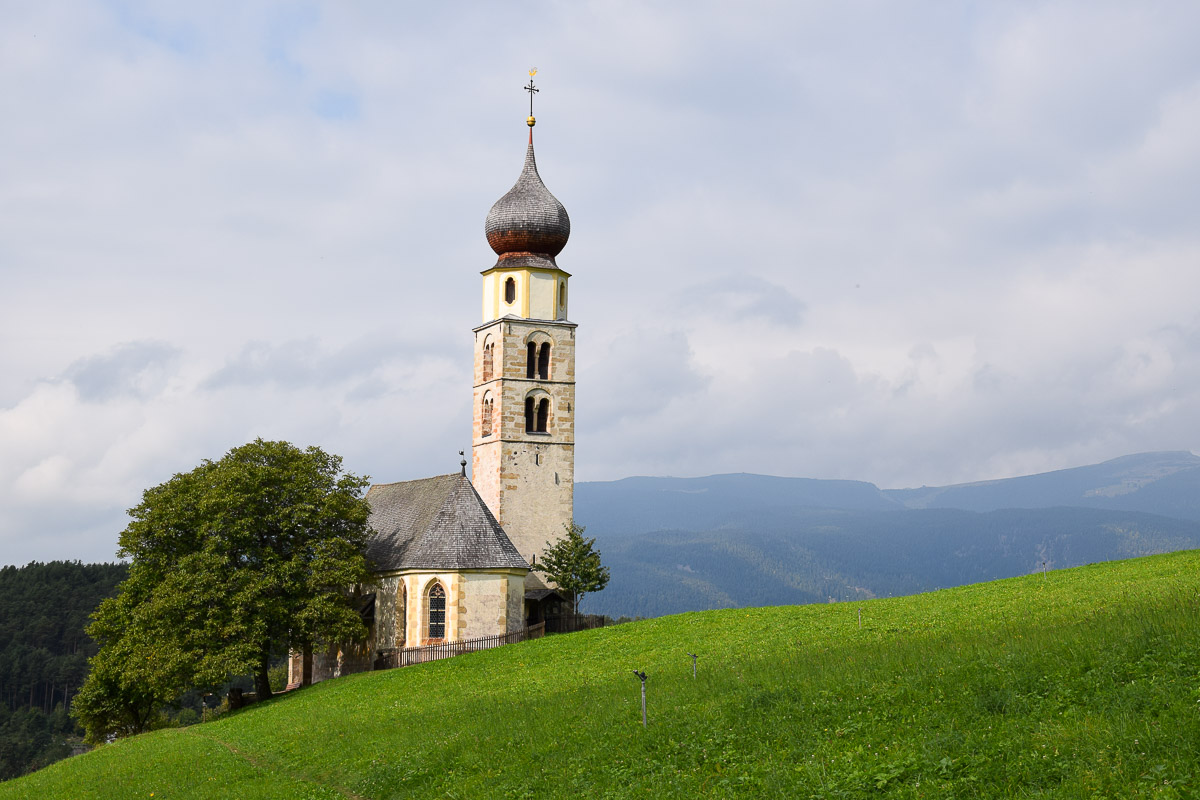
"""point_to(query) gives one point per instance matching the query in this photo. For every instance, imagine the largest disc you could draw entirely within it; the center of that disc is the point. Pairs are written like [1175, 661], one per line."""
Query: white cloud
[904, 245]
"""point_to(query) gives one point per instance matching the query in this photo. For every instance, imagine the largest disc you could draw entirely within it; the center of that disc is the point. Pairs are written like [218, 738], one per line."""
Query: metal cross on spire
[532, 90]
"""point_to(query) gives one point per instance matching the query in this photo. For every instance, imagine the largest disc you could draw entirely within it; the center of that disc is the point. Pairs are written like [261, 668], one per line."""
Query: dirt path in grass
[260, 765]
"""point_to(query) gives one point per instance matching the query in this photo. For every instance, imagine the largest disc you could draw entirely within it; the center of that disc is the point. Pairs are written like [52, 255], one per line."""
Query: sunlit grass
[1083, 683]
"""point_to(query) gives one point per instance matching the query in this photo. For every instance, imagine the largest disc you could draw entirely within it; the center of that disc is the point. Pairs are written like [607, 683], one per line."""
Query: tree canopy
[238, 560]
[574, 564]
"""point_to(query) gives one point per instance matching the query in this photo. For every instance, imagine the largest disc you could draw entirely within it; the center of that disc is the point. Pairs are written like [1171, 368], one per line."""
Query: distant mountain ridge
[1161, 483]
[677, 544]
[1158, 483]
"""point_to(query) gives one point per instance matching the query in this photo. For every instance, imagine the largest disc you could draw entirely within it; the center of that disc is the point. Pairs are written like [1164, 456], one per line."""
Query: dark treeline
[44, 652]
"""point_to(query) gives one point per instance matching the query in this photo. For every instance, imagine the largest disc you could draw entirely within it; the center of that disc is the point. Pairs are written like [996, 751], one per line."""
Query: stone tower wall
[526, 479]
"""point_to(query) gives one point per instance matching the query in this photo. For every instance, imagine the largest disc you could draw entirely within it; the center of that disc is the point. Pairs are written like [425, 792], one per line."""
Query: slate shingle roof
[436, 523]
[528, 219]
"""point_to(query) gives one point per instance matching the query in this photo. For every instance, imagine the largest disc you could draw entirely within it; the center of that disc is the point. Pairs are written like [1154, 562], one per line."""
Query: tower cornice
[507, 267]
[558, 323]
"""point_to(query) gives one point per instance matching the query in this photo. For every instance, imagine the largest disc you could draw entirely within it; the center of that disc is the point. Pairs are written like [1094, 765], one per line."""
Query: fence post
[693, 655]
[642, 675]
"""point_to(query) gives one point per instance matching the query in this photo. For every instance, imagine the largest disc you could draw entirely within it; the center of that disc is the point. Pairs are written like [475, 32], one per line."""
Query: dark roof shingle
[436, 523]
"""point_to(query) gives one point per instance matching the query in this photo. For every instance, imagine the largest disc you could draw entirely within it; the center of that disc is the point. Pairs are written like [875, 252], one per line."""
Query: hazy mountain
[677, 544]
[817, 555]
[702, 503]
[1161, 483]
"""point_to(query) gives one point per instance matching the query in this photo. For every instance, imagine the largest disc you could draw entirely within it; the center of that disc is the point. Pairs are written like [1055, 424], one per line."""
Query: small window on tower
[562, 295]
[531, 360]
[530, 419]
[543, 366]
[485, 418]
[543, 415]
[510, 291]
[488, 346]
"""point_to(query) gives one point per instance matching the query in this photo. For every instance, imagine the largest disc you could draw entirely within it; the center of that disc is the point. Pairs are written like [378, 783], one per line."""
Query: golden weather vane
[532, 90]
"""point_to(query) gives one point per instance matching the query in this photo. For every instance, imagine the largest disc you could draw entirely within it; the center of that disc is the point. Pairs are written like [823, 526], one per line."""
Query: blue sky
[906, 243]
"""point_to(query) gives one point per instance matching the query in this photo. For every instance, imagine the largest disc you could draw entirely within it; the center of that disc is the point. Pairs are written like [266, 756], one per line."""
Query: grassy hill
[1082, 683]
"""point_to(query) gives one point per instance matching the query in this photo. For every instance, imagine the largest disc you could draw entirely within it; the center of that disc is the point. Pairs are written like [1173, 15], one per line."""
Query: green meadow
[1080, 683]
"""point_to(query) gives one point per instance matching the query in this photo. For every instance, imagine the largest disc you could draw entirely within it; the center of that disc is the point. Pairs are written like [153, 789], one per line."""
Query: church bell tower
[523, 445]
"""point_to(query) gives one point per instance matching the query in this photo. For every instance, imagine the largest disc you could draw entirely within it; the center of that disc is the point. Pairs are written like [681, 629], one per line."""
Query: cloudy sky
[908, 243]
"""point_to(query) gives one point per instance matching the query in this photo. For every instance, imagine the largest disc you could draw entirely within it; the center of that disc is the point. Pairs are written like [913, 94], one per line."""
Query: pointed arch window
[437, 611]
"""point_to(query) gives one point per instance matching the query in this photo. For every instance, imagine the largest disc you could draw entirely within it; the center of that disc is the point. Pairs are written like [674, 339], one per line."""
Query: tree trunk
[306, 665]
[262, 680]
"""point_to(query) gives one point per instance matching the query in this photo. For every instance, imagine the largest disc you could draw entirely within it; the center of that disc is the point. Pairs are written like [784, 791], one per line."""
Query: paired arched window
[485, 419]
[537, 360]
[537, 414]
[488, 347]
[437, 611]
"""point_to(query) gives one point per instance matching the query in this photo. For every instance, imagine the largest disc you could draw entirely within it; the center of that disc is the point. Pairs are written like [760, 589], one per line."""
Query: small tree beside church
[574, 564]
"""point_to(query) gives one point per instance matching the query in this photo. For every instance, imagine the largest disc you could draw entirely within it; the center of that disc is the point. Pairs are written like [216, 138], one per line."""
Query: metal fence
[404, 656]
[569, 623]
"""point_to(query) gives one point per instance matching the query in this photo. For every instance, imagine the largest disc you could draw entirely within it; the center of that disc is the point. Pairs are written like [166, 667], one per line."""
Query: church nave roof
[436, 523]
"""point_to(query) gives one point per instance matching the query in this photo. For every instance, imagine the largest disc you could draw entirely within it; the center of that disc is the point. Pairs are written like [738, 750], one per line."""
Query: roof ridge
[416, 480]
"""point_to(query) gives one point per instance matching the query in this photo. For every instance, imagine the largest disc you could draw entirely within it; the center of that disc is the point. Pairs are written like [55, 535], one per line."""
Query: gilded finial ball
[531, 121]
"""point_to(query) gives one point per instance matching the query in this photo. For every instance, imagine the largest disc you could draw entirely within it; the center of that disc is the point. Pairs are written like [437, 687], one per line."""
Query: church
[454, 559]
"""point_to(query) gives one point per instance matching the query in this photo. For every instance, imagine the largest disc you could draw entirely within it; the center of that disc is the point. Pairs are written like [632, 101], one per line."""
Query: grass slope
[1081, 684]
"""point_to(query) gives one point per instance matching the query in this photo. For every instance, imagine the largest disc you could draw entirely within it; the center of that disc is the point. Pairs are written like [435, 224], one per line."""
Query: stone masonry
[526, 478]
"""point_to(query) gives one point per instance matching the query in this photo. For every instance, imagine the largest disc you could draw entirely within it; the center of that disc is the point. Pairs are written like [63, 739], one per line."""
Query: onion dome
[528, 221]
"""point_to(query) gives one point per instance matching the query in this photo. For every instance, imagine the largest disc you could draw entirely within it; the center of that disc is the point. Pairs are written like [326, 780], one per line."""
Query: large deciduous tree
[238, 560]
[574, 564]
